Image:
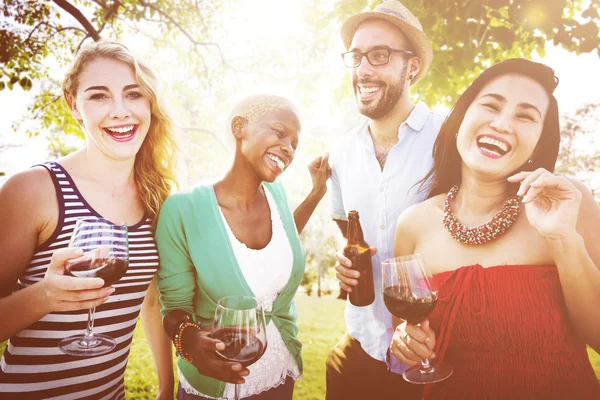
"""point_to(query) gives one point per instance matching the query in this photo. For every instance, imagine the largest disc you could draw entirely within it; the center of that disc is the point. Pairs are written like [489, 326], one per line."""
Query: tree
[467, 37]
[470, 35]
[33, 30]
[578, 154]
[35, 34]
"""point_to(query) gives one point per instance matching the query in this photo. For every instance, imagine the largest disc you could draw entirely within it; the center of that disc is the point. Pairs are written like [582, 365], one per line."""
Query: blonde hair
[253, 108]
[155, 161]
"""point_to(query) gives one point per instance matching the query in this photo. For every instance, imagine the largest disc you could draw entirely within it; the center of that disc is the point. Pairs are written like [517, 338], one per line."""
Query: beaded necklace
[483, 233]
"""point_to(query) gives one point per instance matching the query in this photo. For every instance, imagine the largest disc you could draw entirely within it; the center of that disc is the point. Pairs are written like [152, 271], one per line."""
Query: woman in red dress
[519, 290]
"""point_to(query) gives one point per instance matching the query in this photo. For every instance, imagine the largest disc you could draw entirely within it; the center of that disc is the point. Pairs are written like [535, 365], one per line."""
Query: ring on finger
[405, 338]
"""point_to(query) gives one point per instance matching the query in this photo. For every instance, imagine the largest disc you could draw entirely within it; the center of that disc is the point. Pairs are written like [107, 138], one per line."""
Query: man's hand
[347, 276]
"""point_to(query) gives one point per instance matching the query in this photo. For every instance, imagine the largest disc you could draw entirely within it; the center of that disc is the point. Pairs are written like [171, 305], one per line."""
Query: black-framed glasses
[377, 56]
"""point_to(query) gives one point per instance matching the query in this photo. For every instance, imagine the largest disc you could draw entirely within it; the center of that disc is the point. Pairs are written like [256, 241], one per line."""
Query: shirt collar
[418, 116]
[416, 120]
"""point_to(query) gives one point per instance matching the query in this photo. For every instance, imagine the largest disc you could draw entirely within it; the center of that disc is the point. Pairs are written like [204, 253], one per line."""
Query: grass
[321, 324]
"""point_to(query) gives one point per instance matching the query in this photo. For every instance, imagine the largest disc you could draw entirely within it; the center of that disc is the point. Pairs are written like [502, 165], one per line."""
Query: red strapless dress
[506, 333]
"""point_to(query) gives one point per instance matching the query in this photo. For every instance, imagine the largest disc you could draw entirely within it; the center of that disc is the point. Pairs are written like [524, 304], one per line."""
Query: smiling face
[269, 143]
[378, 89]
[502, 126]
[112, 109]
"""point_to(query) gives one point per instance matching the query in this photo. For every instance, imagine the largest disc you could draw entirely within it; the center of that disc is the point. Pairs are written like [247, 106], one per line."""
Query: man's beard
[376, 109]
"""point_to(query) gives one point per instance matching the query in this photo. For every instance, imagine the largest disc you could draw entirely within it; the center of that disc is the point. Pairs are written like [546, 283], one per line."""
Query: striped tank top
[32, 366]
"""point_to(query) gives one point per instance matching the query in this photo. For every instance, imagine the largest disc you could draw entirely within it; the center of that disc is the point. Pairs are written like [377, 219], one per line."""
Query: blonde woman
[123, 173]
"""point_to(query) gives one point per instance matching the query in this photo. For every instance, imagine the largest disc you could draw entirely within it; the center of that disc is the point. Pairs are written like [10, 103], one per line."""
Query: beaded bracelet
[178, 340]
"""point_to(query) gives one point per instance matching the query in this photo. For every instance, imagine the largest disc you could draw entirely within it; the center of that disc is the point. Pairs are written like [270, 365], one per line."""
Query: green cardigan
[198, 267]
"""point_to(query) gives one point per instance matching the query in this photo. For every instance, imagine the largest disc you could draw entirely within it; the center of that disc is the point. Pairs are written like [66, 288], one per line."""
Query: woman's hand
[320, 171]
[551, 201]
[347, 276]
[67, 293]
[412, 343]
[201, 348]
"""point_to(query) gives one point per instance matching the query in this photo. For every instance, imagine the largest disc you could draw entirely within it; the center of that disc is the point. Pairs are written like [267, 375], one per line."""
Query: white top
[358, 183]
[266, 271]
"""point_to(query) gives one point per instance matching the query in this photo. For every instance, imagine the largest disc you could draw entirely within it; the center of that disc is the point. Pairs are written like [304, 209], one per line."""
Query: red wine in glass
[105, 255]
[245, 349]
[410, 294]
[401, 302]
[111, 270]
[240, 324]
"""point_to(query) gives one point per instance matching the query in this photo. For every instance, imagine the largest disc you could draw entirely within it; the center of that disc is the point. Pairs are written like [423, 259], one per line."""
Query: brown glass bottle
[358, 251]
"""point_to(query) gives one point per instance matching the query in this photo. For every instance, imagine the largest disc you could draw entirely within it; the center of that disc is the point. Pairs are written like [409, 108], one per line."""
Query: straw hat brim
[418, 39]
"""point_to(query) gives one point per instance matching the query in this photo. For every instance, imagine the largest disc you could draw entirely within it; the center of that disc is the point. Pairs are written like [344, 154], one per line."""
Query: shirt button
[390, 330]
[284, 295]
[381, 227]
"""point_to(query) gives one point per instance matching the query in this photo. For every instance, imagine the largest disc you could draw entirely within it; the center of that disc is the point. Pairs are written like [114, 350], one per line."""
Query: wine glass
[105, 255]
[409, 293]
[240, 324]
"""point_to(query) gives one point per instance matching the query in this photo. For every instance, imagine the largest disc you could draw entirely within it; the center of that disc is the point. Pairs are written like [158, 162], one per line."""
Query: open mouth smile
[122, 133]
[493, 147]
[277, 161]
[367, 91]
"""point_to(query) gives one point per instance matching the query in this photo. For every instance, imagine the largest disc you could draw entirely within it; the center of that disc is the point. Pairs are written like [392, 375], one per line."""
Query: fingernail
[110, 290]
[236, 367]
[244, 373]
[220, 346]
[432, 356]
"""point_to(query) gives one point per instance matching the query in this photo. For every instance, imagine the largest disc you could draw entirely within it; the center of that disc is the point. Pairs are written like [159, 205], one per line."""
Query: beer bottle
[358, 251]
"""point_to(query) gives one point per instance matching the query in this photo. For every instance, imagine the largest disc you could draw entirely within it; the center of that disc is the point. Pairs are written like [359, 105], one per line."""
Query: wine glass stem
[89, 334]
[237, 392]
[426, 366]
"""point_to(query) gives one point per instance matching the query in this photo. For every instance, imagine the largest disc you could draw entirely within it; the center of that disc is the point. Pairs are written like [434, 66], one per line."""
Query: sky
[255, 22]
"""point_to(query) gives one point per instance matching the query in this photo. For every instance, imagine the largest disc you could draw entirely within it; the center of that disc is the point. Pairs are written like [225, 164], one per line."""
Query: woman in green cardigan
[239, 237]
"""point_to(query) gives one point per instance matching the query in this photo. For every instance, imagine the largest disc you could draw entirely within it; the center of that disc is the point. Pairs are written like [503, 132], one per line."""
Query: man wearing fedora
[374, 172]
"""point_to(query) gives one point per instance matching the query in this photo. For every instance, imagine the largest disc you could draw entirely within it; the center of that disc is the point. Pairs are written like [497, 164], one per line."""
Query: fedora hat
[395, 13]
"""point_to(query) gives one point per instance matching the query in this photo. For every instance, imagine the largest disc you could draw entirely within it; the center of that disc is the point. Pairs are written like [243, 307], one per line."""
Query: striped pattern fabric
[32, 366]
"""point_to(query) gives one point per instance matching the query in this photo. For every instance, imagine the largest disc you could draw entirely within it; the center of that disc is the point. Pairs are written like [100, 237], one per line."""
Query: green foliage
[309, 279]
[470, 35]
[36, 34]
[578, 155]
[22, 51]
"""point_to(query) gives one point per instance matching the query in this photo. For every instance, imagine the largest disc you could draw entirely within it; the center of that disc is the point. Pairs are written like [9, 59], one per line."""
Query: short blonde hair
[253, 108]
[155, 161]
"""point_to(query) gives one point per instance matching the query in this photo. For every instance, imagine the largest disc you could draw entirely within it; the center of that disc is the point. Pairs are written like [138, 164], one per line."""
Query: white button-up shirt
[358, 183]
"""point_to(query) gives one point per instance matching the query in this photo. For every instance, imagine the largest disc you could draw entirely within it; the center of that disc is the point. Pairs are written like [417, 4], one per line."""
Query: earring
[411, 77]
[529, 161]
